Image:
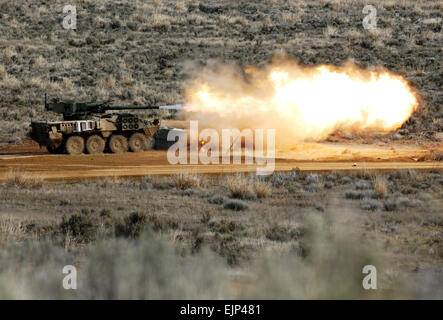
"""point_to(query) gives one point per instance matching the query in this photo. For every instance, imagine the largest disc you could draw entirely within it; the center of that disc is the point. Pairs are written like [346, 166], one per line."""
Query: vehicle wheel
[95, 144]
[118, 143]
[138, 142]
[75, 145]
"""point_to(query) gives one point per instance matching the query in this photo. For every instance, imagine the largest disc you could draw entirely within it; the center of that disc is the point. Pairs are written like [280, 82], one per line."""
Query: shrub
[189, 192]
[371, 205]
[206, 194]
[360, 194]
[435, 220]
[380, 186]
[12, 228]
[146, 183]
[278, 179]
[416, 203]
[206, 217]
[236, 205]
[346, 180]
[216, 200]
[110, 181]
[64, 202]
[282, 233]
[402, 203]
[262, 189]
[313, 187]
[328, 184]
[390, 205]
[80, 227]
[230, 248]
[362, 185]
[425, 197]
[160, 183]
[312, 178]
[224, 226]
[105, 213]
[132, 225]
[162, 223]
[185, 181]
[239, 186]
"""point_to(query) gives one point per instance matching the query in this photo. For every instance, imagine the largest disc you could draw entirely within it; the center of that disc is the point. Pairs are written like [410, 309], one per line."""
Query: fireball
[301, 103]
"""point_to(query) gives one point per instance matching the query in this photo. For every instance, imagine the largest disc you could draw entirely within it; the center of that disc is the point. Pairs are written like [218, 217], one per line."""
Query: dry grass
[126, 79]
[330, 31]
[180, 5]
[11, 229]
[9, 52]
[239, 185]
[110, 181]
[160, 20]
[185, 181]
[238, 20]
[67, 84]
[243, 187]
[384, 34]
[433, 155]
[21, 179]
[262, 189]
[289, 17]
[10, 82]
[380, 186]
[39, 62]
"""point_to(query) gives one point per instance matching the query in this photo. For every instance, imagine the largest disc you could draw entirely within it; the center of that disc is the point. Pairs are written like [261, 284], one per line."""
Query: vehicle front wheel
[138, 142]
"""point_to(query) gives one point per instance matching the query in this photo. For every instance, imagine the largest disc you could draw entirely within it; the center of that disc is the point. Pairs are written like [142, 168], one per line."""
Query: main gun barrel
[166, 107]
[111, 108]
[73, 110]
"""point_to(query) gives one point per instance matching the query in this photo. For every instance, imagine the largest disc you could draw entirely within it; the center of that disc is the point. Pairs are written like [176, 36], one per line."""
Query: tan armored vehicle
[86, 127]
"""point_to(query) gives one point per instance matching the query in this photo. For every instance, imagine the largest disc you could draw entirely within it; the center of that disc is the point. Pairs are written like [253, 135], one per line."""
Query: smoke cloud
[300, 102]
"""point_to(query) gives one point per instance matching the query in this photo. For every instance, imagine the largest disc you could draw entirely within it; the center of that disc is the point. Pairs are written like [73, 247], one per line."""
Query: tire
[75, 145]
[138, 142]
[95, 144]
[118, 143]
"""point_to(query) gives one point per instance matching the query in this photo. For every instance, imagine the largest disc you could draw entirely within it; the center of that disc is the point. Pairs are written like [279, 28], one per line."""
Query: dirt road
[307, 157]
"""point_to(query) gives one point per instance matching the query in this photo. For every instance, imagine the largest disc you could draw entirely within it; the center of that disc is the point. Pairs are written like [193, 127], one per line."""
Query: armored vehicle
[87, 127]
